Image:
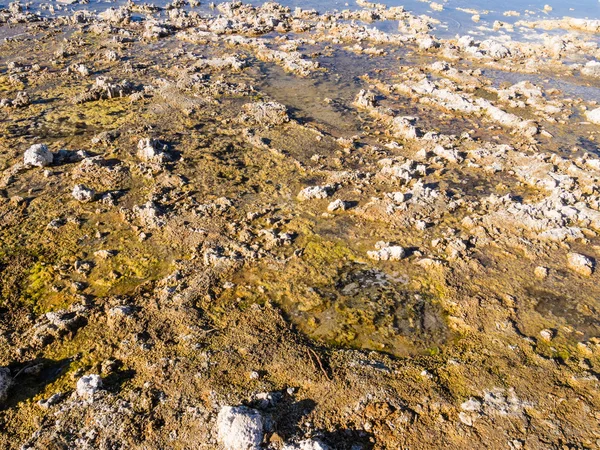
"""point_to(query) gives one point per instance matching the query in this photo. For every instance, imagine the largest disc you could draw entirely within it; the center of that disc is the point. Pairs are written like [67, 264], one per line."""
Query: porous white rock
[315, 192]
[591, 69]
[307, 444]
[386, 252]
[88, 385]
[38, 155]
[541, 272]
[593, 116]
[82, 193]
[581, 264]
[428, 43]
[149, 150]
[240, 428]
[365, 99]
[337, 205]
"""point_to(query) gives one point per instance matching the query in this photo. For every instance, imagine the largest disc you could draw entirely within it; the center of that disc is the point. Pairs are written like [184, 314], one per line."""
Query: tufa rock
[240, 428]
[38, 155]
[581, 264]
[88, 385]
[83, 194]
[314, 192]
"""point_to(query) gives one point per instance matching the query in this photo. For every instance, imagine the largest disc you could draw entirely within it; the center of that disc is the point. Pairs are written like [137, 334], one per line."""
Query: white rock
[387, 252]
[314, 192]
[38, 155]
[591, 69]
[547, 335]
[88, 385]
[83, 70]
[111, 56]
[240, 428]
[82, 193]
[337, 205]
[471, 405]
[541, 272]
[149, 150]
[593, 116]
[307, 444]
[6, 382]
[396, 197]
[580, 264]
[428, 43]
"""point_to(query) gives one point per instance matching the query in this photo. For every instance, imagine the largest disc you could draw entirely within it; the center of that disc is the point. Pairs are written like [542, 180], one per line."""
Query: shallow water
[455, 18]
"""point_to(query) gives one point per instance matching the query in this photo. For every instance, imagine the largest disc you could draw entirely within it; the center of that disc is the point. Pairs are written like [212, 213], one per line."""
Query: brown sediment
[251, 210]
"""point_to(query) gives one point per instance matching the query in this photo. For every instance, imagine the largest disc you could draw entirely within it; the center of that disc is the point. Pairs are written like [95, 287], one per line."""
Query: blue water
[453, 21]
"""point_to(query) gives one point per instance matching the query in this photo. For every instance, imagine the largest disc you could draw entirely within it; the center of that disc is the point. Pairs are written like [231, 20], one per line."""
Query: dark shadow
[348, 439]
[32, 377]
[64, 156]
[285, 413]
[287, 416]
[44, 101]
[116, 379]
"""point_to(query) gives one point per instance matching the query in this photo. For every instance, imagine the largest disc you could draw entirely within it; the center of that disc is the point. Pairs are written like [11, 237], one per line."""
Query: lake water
[455, 18]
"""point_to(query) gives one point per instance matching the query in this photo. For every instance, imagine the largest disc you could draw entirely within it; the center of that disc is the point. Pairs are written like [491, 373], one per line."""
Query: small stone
[547, 334]
[83, 194]
[105, 254]
[387, 252]
[83, 70]
[88, 385]
[266, 113]
[111, 56]
[240, 428]
[420, 225]
[337, 205]
[38, 155]
[593, 116]
[581, 264]
[541, 272]
[316, 192]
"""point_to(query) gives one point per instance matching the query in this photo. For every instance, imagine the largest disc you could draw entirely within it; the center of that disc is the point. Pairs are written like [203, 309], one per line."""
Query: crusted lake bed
[244, 226]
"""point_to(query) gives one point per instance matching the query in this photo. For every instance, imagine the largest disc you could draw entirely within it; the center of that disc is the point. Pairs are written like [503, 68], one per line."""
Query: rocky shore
[270, 228]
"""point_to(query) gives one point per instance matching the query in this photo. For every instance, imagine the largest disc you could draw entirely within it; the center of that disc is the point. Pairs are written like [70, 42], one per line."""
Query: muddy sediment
[275, 228]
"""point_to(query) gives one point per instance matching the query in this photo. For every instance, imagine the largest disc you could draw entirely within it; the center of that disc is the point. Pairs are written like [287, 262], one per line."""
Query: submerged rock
[240, 428]
[38, 155]
[267, 113]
